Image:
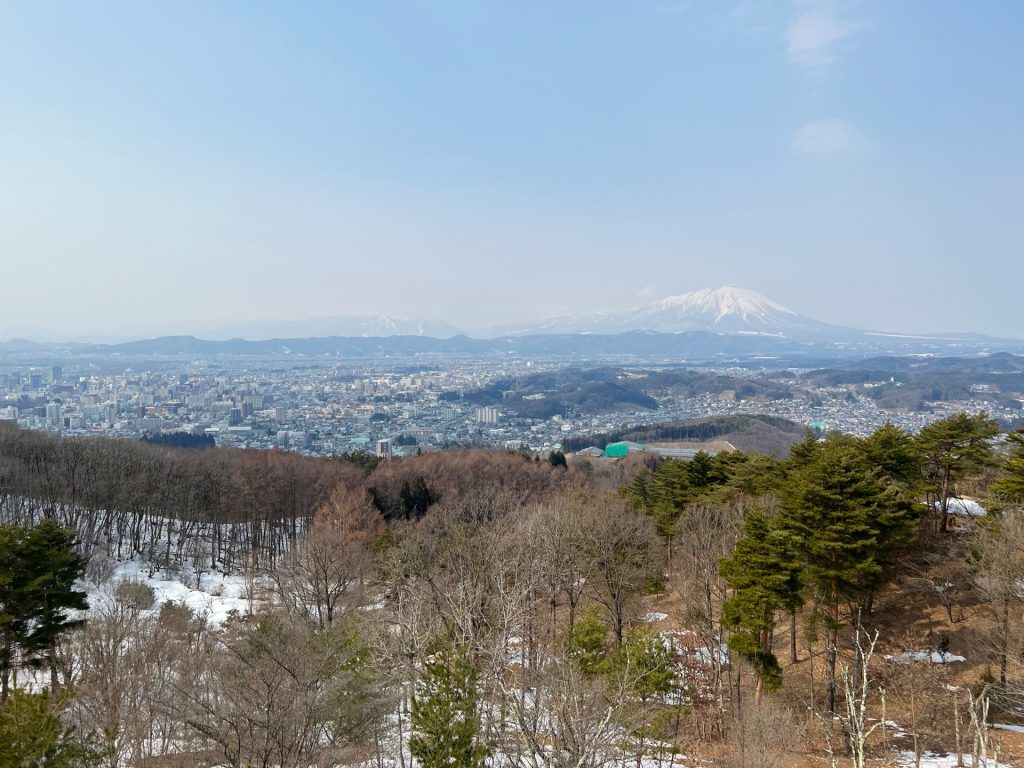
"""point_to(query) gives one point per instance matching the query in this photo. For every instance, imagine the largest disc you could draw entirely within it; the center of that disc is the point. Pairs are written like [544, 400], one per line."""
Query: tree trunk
[1004, 641]
[945, 501]
[5, 675]
[792, 637]
[831, 651]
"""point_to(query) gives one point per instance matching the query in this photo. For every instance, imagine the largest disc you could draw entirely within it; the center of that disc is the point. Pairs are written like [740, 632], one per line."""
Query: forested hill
[491, 607]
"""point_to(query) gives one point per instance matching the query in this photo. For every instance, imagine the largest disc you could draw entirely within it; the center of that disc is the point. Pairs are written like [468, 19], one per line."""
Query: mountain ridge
[729, 320]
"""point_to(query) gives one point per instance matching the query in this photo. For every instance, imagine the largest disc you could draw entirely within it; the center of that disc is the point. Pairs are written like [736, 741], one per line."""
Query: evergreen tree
[1009, 487]
[764, 574]
[845, 524]
[757, 474]
[668, 492]
[803, 453]
[32, 735]
[38, 570]
[704, 471]
[586, 645]
[56, 566]
[445, 716]
[557, 459]
[415, 499]
[896, 456]
[953, 448]
[15, 608]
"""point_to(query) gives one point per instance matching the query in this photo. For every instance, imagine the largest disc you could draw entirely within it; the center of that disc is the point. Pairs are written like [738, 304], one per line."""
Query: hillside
[277, 610]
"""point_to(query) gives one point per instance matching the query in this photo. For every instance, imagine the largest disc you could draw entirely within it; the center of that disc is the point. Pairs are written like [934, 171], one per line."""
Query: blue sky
[173, 167]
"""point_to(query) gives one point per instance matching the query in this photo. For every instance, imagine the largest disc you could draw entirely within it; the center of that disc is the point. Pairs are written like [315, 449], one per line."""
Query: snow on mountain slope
[729, 309]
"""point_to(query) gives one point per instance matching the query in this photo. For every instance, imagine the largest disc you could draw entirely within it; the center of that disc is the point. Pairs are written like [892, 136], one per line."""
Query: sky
[193, 166]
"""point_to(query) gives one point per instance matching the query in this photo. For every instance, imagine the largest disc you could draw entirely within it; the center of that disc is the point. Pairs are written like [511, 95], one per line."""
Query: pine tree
[445, 716]
[668, 492]
[15, 611]
[952, 448]
[845, 523]
[32, 735]
[586, 644]
[56, 566]
[1009, 487]
[38, 570]
[764, 574]
[896, 456]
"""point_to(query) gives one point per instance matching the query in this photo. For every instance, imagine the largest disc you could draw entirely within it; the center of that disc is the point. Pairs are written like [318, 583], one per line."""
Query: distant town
[401, 408]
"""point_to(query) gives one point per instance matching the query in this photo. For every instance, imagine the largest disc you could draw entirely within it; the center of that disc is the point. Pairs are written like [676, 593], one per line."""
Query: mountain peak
[730, 309]
[729, 301]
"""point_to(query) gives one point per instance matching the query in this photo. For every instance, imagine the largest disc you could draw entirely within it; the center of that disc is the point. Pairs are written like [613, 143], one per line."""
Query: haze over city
[190, 168]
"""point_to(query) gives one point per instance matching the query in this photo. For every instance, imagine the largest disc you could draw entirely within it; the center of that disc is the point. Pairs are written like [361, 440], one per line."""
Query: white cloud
[826, 137]
[812, 36]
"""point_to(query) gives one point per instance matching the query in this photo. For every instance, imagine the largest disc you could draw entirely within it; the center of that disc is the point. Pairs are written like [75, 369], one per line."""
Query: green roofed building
[626, 447]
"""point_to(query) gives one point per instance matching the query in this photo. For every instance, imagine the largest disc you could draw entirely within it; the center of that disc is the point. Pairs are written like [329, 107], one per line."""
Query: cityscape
[397, 409]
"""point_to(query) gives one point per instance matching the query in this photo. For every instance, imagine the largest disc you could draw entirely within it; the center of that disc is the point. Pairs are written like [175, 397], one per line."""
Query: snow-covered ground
[216, 595]
[933, 657]
[934, 760]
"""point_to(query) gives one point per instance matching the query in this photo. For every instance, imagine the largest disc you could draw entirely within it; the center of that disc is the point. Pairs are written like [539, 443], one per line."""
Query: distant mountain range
[722, 323]
[338, 325]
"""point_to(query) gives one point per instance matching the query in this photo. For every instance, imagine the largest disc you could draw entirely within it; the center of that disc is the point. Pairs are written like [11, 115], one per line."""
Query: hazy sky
[166, 167]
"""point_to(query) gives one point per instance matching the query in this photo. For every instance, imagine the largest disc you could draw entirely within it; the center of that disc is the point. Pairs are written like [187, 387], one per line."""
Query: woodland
[832, 607]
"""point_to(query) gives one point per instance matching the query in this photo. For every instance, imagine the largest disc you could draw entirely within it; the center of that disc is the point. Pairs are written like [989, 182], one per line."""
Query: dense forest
[499, 609]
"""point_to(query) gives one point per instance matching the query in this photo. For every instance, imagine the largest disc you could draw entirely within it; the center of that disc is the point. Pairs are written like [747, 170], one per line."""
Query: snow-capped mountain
[729, 309]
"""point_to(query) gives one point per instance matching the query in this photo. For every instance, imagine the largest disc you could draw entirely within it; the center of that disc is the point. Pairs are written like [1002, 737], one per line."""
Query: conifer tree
[32, 735]
[445, 715]
[50, 550]
[1009, 487]
[15, 611]
[668, 491]
[895, 455]
[952, 448]
[586, 644]
[38, 570]
[764, 574]
[845, 523]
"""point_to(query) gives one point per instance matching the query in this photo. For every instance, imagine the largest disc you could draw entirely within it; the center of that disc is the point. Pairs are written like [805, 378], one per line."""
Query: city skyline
[175, 167]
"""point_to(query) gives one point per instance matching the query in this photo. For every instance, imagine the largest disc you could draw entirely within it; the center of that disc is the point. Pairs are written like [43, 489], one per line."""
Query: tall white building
[487, 415]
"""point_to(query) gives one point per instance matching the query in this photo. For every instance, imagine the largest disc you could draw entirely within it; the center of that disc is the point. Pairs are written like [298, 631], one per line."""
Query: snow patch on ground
[933, 657]
[934, 760]
[216, 596]
[1008, 727]
[655, 616]
[963, 508]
